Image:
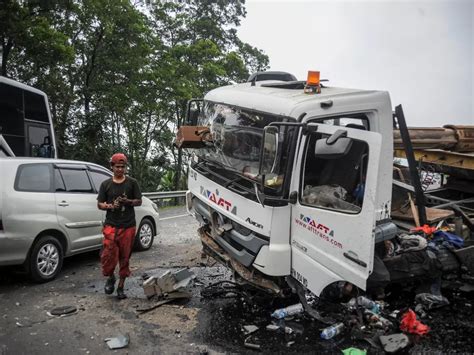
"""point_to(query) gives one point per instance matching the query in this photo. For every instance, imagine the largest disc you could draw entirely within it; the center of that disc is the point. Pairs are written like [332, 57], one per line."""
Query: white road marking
[181, 215]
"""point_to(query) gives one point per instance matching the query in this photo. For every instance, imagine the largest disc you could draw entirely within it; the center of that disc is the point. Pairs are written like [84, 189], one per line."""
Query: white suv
[48, 211]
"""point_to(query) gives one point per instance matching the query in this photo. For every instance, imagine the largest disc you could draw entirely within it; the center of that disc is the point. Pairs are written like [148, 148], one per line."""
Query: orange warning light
[313, 85]
[313, 78]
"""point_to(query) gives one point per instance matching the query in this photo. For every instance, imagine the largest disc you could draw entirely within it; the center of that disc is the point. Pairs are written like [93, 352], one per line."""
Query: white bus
[26, 128]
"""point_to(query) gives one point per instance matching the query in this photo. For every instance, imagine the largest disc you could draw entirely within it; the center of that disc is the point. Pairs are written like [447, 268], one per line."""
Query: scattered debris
[288, 311]
[332, 331]
[410, 324]
[363, 301]
[394, 342]
[354, 351]
[249, 329]
[156, 305]
[24, 324]
[431, 301]
[118, 342]
[165, 298]
[252, 345]
[168, 283]
[272, 327]
[63, 311]
[467, 288]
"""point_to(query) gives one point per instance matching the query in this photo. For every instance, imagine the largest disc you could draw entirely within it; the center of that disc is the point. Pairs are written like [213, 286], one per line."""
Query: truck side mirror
[269, 150]
[333, 147]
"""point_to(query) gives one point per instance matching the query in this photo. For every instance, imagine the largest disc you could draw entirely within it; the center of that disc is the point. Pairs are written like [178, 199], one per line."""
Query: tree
[118, 78]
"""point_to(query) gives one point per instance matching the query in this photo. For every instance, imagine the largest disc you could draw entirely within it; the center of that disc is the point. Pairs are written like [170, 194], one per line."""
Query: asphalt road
[26, 327]
[211, 321]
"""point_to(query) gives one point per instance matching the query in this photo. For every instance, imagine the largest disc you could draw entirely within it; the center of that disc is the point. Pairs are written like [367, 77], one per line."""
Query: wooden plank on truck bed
[453, 163]
[433, 215]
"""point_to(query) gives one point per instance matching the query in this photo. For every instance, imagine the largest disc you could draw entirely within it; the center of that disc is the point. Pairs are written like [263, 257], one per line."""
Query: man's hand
[105, 206]
[118, 202]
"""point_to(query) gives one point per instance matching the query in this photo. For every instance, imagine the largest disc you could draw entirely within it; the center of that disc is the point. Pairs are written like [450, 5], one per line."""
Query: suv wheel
[46, 259]
[145, 235]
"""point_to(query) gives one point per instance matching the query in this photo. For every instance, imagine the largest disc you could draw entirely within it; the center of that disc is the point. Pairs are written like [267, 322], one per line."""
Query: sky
[421, 52]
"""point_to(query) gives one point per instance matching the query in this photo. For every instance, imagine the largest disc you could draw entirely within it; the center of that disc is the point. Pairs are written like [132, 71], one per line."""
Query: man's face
[119, 169]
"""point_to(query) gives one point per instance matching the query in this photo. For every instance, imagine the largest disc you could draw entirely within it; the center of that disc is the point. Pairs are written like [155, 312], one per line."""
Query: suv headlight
[155, 206]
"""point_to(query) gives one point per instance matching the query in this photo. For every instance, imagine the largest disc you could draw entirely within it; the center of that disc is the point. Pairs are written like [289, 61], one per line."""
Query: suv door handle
[63, 204]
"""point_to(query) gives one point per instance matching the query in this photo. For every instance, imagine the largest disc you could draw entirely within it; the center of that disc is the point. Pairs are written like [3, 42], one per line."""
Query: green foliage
[118, 76]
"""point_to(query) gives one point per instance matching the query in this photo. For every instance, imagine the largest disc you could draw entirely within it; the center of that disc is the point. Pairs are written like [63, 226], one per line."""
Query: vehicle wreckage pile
[413, 315]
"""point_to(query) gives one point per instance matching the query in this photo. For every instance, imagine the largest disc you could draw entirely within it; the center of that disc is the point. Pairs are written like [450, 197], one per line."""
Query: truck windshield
[237, 138]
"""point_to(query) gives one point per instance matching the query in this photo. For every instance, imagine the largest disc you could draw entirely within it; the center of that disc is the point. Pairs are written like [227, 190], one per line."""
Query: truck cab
[292, 180]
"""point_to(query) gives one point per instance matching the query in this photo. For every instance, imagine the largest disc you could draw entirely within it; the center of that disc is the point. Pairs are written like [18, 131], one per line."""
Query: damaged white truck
[292, 181]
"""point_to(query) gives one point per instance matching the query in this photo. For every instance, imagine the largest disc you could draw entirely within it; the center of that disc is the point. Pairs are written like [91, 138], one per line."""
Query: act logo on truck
[214, 197]
[322, 231]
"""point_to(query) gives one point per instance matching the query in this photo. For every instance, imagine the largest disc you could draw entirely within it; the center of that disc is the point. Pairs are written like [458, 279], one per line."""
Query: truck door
[333, 219]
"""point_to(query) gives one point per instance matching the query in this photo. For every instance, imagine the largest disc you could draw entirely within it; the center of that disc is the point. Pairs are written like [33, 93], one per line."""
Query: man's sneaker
[110, 285]
[120, 294]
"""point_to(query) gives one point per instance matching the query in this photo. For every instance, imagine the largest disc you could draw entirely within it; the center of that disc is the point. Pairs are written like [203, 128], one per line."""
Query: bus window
[25, 124]
[35, 107]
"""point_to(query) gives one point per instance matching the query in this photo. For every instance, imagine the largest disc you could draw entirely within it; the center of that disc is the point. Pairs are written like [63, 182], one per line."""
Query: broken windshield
[237, 139]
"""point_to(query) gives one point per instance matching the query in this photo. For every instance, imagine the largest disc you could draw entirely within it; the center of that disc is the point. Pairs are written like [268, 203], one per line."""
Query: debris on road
[332, 331]
[431, 301]
[63, 311]
[288, 311]
[354, 351]
[118, 342]
[249, 329]
[253, 346]
[410, 324]
[394, 342]
[272, 327]
[168, 283]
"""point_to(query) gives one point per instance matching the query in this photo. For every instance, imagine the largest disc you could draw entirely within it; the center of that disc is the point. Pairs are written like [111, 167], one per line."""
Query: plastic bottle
[332, 331]
[364, 302]
[288, 311]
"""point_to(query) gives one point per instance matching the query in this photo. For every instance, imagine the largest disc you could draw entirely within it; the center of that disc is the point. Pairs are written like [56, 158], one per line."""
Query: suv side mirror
[269, 150]
[333, 147]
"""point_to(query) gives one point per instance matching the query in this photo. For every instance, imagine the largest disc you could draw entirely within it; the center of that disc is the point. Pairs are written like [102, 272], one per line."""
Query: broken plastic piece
[249, 329]
[119, 342]
[252, 346]
[410, 324]
[272, 327]
[431, 301]
[394, 342]
[354, 351]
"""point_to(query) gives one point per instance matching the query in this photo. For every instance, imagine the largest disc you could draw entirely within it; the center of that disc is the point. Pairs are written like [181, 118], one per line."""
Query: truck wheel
[46, 259]
[145, 235]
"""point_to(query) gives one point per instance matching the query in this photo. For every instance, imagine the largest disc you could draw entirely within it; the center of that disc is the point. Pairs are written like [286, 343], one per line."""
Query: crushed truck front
[248, 219]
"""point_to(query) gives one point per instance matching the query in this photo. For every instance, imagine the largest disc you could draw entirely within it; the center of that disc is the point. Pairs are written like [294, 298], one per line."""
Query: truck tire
[145, 235]
[46, 259]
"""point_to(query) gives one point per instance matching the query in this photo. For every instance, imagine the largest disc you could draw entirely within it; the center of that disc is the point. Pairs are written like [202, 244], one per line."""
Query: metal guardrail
[159, 195]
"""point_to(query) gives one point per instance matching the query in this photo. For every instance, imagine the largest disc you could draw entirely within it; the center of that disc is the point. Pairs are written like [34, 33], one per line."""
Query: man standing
[118, 196]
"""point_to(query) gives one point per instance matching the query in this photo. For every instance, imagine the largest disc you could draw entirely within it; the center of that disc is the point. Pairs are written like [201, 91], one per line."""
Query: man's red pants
[117, 247]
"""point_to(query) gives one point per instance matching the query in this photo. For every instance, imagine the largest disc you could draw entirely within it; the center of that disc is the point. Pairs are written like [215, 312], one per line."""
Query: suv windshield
[237, 139]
